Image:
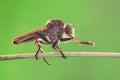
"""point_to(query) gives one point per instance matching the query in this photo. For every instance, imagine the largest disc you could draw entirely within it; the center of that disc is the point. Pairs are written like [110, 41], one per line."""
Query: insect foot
[63, 56]
[91, 43]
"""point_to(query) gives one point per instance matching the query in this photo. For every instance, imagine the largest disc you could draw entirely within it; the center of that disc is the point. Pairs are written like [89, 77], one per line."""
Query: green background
[95, 20]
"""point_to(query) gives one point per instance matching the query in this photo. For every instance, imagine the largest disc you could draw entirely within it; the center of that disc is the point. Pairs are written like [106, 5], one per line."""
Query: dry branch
[53, 54]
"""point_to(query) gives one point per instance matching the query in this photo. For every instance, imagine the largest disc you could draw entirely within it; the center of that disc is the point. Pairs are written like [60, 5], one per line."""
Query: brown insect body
[54, 30]
[30, 36]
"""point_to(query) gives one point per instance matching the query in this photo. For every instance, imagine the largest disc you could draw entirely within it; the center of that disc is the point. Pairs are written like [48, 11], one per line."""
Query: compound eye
[69, 29]
[66, 29]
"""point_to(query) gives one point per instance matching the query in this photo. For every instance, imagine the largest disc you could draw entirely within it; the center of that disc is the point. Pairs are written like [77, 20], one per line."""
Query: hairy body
[54, 29]
[52, 34]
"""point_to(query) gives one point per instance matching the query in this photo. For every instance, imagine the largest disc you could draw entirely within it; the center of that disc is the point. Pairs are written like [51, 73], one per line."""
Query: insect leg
[79, 42]
[56, 47]
[43, 42]
[42, 37]
[65, 39]
[41, 51]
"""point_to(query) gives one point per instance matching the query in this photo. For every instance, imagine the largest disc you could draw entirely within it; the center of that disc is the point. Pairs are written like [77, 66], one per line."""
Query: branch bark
[53, 54]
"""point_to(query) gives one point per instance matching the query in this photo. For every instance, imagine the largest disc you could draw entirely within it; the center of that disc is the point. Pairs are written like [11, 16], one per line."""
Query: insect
[52, 34]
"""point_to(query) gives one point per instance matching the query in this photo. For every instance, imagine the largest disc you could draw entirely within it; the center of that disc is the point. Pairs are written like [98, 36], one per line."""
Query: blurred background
[94, 20]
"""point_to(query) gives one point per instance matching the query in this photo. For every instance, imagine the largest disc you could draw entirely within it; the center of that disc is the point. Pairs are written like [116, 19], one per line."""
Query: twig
[53, 54]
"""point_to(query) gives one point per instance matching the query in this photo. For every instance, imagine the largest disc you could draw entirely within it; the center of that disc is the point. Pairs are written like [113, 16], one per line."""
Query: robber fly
[51, 34]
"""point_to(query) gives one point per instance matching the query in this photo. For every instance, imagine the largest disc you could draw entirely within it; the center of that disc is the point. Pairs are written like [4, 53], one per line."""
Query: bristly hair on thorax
[55, 29]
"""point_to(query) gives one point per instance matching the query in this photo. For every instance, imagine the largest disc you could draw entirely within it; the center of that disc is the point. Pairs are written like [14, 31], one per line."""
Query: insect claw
[63, 56]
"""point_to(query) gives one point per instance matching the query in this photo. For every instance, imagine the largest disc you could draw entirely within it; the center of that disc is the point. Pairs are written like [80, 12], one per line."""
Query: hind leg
[37, 43]
[39, 49]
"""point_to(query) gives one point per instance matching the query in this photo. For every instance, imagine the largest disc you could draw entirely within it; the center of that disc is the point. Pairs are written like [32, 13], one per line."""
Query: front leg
[65, 39]
[79, 42]
[56, 47]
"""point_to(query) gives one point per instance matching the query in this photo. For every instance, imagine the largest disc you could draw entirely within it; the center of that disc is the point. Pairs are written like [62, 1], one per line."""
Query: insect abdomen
[30, 36]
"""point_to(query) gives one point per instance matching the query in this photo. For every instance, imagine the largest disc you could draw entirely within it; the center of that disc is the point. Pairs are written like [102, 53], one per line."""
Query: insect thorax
[55, 29]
